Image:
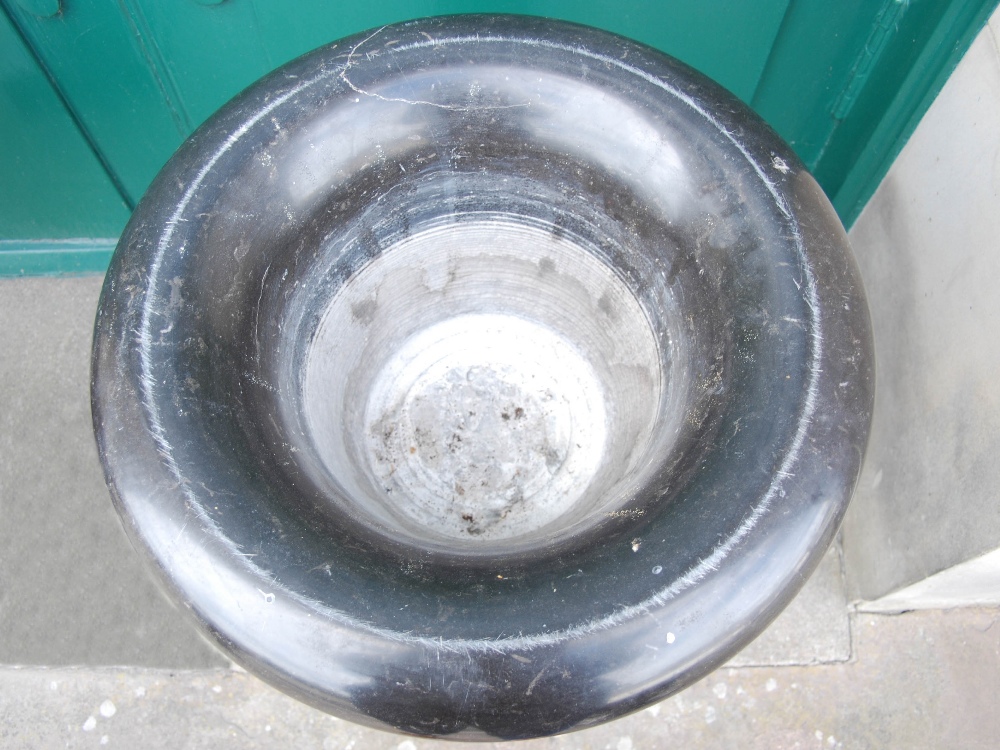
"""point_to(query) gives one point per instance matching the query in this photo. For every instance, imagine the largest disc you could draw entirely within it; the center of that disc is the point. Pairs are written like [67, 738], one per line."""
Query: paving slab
[919, 681]
[72, 590]
[813, 629]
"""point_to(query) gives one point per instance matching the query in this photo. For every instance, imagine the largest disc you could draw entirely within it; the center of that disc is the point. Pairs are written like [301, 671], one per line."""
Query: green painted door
[105, 91]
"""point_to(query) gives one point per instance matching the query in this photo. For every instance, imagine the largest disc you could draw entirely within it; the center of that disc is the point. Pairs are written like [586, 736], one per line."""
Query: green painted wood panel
[51, 183]
[204, 53]
[106, 71]
[843, 82]
[140, 75]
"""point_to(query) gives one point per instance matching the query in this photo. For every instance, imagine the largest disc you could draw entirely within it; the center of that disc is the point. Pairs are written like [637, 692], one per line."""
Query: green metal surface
[923, 53]
[846, 95]
[127, 81]
[50, 180]
[55, 257]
